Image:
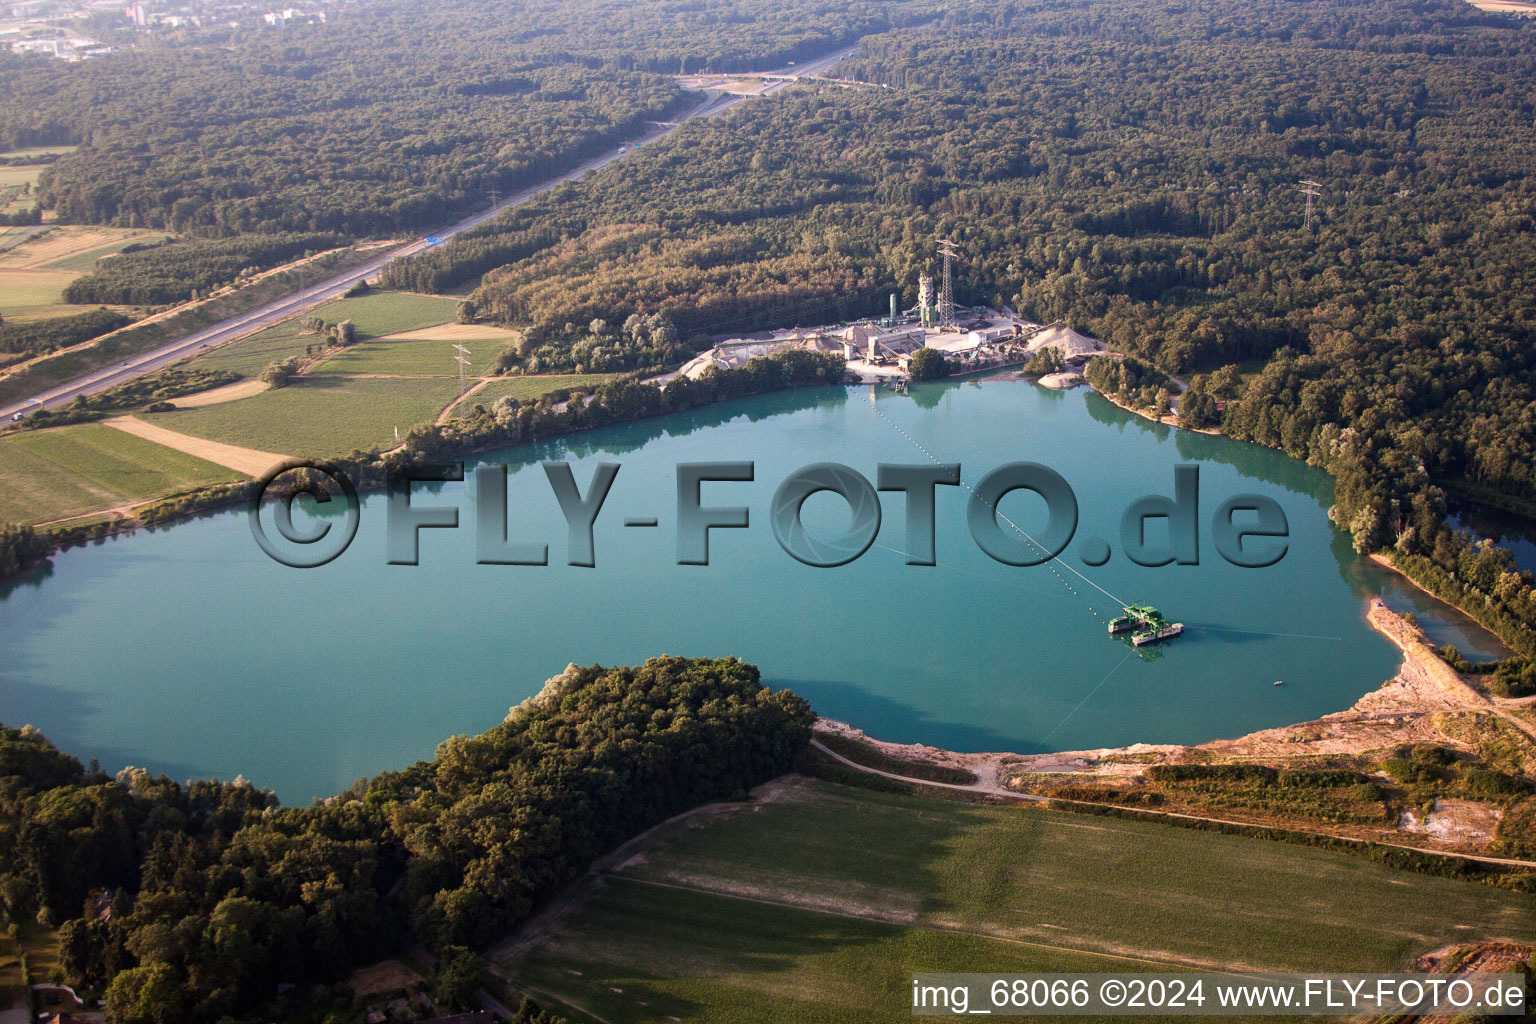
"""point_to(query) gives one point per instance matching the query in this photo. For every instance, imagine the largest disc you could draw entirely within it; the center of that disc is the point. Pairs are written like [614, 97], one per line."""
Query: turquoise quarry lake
[187, 651]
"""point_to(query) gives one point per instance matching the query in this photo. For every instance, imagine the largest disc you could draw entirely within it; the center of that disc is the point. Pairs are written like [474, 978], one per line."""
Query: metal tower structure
[461, 356]
[1312, 190]
[949, 251]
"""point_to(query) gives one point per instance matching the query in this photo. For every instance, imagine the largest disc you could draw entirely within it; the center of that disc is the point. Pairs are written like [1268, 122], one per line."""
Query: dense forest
[394, 118]
[173, 272]
[1133, 169]
[191, 902]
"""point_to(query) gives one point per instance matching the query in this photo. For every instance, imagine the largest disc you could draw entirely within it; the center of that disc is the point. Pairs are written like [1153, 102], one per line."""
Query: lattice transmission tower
[461, 356]
[1312, 190]
[949, 251]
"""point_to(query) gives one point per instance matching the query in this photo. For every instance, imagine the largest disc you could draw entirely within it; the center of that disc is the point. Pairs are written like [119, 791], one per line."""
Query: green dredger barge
[1145, 624]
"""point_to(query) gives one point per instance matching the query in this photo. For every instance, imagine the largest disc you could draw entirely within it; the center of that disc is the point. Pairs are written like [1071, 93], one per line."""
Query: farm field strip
[242, 460]
[640, 953]
[459, 332]
[251, 354]
[528, 389]
[72, 247]
[227, 393]
[61, 472]
[319, 416]
[30, 290]
[380, 314]
[819, 901]
[410, 358]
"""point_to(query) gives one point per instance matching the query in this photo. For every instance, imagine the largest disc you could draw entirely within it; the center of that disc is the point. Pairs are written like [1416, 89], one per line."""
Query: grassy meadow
[18, 187]
[67, 471]
[27, 293]
[251, 355]
[412, 357]
[818, 902]
[319, 416]
[378, 314]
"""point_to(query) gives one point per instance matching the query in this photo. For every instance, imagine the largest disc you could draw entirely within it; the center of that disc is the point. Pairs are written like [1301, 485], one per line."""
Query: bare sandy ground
[228, 393]
[244, 460]
[1504, 6]
[456, 332]
[724, 83]
[1061, 381]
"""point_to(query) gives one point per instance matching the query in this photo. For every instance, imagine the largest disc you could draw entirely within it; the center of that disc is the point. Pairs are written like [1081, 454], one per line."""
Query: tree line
[39, 337]
[176, 271]
[197, 901]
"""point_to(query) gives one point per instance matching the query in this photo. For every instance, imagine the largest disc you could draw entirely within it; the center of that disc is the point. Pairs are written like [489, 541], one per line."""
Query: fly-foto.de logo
[1246, 530]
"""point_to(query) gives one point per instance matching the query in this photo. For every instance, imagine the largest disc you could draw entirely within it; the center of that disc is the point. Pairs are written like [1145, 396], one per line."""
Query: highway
[314, 295]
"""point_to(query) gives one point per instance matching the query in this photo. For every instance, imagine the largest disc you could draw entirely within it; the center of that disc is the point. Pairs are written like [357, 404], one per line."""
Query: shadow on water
[627, 437]
[1251, 460]
[1507, 529]
[1442, 623]
[896, 722]
[1102, 410]
[32, 580]
[66, 713]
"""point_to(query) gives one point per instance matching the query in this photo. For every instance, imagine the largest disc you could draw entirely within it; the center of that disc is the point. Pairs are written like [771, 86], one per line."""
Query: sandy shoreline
[1399, 711]
[1427, 702]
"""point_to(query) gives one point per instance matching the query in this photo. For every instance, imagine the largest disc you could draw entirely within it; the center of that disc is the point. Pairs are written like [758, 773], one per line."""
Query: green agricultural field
[642, 953]
[253, 354]
[67, 471]
[27, 291]
[526, 389]
[379, 314]
[18, 187]
[319, 416]
[413, 358]
[818, 905]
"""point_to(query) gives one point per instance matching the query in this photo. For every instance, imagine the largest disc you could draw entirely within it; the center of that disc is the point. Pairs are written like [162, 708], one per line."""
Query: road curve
[314, 295]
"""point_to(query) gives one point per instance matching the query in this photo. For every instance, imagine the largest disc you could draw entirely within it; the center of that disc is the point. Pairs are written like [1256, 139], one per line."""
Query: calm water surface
[186, 650]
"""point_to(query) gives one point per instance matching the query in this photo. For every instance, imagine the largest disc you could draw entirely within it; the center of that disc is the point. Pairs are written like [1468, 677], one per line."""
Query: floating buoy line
[1050, 563]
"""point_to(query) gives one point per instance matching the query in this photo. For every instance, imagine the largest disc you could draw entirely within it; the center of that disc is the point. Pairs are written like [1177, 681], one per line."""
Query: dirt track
[456, 332]
[244, 460]
[228, 393]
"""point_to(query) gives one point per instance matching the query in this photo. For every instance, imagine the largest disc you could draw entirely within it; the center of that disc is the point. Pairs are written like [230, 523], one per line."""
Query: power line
[1044, 739]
